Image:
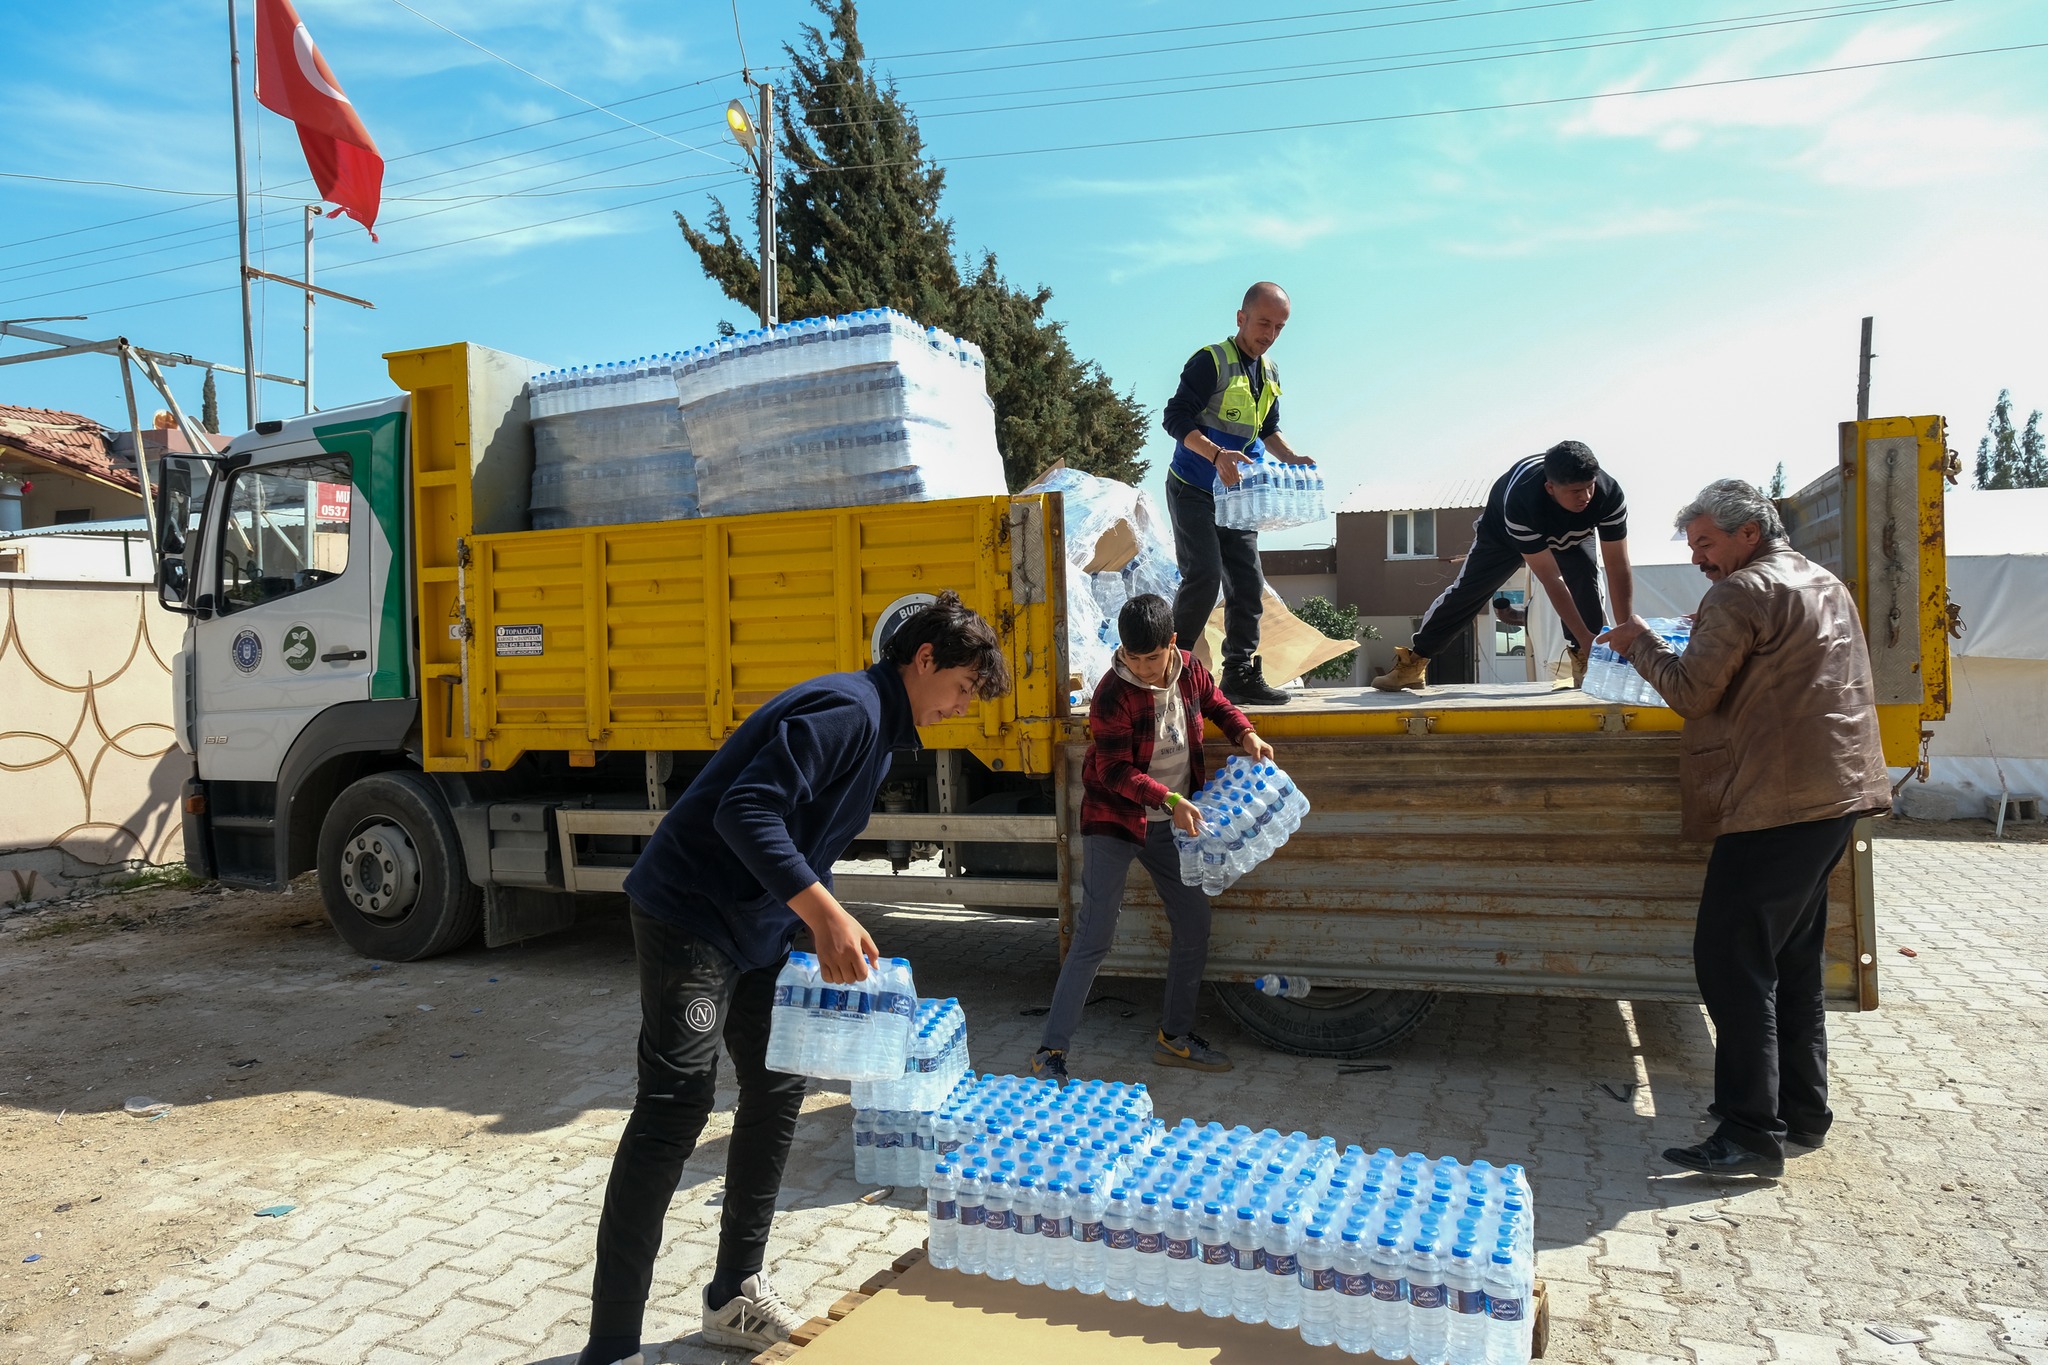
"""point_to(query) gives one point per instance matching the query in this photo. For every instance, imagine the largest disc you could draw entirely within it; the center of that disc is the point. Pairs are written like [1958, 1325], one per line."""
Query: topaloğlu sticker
[247, 651]
[517, 640]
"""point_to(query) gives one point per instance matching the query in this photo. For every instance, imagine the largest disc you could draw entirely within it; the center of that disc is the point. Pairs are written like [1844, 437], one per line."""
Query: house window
[1411, 535]
[66, 516]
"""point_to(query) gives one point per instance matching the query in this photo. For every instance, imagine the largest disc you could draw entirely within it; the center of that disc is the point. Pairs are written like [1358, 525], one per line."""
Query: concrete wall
[92, 559]
[90, 770]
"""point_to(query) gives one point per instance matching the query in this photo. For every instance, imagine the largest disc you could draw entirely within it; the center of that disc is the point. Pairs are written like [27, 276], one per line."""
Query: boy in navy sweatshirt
[741, 860]
[1144, 759]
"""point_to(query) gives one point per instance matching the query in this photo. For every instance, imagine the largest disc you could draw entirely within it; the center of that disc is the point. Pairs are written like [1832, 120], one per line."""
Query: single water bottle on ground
[1287, 987]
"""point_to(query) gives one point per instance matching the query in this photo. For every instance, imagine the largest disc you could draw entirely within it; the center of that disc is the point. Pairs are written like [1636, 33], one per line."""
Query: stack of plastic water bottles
[1272, 495]
[609, 446]
[846, 411]
[892, 1119]
[618, 383]
[1610, 677]
[1434, 1261]
[1249, 810]
[856, 1032]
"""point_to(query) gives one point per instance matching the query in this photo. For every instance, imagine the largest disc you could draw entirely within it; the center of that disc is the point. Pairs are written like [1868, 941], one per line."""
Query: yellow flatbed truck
[457, 721]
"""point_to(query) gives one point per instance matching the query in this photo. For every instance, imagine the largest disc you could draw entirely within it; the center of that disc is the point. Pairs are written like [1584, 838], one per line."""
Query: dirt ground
[272, 1041]
[132, 995]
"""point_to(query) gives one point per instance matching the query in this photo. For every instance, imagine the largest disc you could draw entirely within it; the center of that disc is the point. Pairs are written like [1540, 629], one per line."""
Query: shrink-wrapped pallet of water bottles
[1270, 494]
[1610, 677]
[1248, 811]
[1433, 1261]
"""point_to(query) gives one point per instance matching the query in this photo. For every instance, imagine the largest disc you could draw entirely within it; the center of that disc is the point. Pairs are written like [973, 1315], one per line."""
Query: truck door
[289, 634]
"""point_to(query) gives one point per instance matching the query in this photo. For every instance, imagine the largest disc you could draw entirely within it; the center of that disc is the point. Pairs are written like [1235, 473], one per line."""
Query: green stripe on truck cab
[376, 449]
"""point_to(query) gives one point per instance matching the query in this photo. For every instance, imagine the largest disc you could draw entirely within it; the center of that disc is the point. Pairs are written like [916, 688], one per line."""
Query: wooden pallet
[846, 1303]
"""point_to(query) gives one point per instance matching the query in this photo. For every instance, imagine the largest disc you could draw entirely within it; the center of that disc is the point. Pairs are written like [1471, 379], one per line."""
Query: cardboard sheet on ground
[1288, 645]
[927, 1314]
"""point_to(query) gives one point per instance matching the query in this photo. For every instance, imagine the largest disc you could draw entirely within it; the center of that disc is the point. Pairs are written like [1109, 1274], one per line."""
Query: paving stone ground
[1927, 1211]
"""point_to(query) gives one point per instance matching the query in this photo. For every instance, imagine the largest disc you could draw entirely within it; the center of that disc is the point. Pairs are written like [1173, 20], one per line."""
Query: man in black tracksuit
[1543, 513]
[741, 862]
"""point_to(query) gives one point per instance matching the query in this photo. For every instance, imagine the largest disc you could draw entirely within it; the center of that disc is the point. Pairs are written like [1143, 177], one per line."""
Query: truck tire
[1328, 1022]
[391, 870]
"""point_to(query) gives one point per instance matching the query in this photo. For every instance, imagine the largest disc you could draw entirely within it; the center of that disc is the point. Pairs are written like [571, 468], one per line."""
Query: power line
[1155, 32]
[1619, 38]
[545, 81]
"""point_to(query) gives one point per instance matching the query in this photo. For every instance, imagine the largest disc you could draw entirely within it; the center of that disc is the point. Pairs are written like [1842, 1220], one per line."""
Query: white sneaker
[755, 1319]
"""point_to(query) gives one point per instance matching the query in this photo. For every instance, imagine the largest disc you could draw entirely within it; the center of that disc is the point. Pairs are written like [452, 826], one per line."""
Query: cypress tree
[858, 226]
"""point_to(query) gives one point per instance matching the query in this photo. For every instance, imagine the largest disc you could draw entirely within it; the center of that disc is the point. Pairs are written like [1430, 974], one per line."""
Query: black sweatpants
[690, 994]
[1757, 954]
[1213, 556]
[1491, 563]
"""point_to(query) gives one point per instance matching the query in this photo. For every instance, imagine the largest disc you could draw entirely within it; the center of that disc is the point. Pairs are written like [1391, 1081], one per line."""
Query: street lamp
[755, 135]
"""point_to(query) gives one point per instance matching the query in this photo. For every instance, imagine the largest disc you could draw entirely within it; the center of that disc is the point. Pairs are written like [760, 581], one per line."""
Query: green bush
[1339, 623]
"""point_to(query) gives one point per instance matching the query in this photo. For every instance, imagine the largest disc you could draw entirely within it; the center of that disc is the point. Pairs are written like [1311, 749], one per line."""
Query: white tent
[1995, 740]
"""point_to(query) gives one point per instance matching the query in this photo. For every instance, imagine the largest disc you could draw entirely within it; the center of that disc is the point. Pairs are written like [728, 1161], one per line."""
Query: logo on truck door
[247, 651]
[298, 648]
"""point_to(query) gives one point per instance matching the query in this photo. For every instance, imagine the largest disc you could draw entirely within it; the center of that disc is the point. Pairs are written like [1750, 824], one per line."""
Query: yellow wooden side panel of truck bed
[666, 635]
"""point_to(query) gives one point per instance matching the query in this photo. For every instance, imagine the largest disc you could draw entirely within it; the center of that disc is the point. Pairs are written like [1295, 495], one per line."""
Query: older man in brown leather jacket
[1781, 756]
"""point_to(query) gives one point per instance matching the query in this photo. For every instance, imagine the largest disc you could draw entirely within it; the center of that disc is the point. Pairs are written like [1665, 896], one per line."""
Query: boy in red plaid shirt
[1144, 758]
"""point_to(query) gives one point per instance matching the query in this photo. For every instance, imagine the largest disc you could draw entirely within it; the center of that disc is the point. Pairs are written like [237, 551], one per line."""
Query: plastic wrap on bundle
[611, 466]
[912, 428]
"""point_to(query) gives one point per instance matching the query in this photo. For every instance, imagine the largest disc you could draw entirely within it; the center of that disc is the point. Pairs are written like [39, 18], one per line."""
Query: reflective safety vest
[1233, 417]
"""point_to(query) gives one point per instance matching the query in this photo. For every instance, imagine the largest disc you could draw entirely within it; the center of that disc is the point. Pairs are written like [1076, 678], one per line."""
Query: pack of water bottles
[1271, 495]
[1090, 506]
[1052, 1133]
[846, 411]
[933, 1062]
[1611, 677]
[854, 1032]
[609, 446]
[1248, 811]
[1371, 1252]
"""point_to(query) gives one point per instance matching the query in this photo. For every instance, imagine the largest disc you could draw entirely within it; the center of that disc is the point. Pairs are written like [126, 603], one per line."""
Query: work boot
[1245, 685]
[1578, 658]
[1410, 670]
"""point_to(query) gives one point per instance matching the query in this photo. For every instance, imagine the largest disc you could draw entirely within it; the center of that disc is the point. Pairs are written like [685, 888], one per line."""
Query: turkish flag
[292, 79]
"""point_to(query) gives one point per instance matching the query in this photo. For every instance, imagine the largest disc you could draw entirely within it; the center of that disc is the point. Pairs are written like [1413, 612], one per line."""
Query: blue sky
[1675, 278]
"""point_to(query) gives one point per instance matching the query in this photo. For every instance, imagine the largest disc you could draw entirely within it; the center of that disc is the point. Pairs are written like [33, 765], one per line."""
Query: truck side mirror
[170, 582]
[175, 512]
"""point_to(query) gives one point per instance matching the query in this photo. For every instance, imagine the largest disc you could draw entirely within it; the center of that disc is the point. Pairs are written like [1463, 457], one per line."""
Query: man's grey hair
[1733, 503]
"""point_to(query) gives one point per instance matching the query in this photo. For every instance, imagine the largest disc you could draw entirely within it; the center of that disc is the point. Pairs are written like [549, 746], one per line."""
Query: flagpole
[312, 216]
[242, 216]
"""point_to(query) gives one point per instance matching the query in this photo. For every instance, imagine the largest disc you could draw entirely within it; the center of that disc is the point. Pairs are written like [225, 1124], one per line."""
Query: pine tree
[1778, 481]
[209, 406]
[2007, 458]
[858, 226]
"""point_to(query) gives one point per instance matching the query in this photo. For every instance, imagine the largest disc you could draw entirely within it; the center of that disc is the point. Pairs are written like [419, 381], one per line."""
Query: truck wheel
[1328, 1022]
[391, 870]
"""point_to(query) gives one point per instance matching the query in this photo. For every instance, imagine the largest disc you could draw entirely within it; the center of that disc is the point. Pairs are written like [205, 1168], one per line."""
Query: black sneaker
[1245, 685]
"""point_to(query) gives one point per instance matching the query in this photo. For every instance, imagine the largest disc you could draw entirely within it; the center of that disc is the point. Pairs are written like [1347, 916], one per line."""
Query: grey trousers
[1107, 864]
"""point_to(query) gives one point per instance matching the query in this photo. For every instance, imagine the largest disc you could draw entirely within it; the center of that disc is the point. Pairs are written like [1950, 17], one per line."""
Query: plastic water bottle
[1212, 1240]
[1247, 1256]
[1283, 1271]
[1149, 1275]
[1119, 1248]
[1318, 1277]
[1288, 987]
[1183, 1266]
[1056, 1228]
[864, 1146]
[969, 1254]
[1029, 1257]
[999, 1259]
[942, 1206]
[1389, 1279]
[1088, 1245]
[1465, 1297]
[1428, 1314]
[1354, 1294]
[1505, 1310]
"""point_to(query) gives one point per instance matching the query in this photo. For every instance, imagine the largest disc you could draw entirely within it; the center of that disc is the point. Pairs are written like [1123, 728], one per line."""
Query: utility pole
[242, 215]
[1863, 375]
[765, 161]
[312, 216]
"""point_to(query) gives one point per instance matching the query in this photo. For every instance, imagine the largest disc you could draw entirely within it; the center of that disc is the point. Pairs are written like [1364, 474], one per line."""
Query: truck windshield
[285, 530]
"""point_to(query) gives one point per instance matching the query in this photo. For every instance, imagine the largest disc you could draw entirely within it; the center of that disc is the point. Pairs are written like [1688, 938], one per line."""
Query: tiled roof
[76, 444]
